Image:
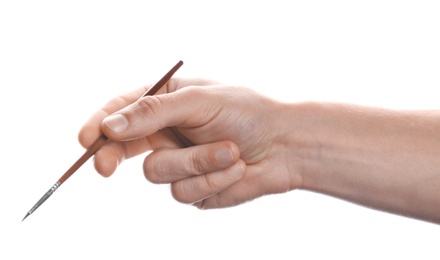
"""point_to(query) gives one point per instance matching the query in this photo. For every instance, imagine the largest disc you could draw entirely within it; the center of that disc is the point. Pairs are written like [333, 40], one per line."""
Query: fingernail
[117, 123]
[224, 156]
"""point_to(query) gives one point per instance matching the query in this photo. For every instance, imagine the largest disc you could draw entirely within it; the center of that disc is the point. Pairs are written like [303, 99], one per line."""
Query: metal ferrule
[45, 197]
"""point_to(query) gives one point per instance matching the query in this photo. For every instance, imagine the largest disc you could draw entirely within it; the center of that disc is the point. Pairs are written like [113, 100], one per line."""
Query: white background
[60, 62]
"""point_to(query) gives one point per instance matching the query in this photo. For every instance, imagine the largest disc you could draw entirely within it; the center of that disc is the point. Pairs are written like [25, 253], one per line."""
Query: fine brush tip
[25, 217]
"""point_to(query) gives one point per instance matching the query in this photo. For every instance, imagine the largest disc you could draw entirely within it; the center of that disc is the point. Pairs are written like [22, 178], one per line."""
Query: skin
[247, 145]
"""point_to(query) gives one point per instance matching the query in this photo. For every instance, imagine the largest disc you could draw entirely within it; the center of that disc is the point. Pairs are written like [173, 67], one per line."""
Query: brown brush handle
[89, 153]
[97, 144]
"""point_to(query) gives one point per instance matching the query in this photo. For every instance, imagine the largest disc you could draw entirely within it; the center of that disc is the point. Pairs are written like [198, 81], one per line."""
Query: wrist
[301, 141]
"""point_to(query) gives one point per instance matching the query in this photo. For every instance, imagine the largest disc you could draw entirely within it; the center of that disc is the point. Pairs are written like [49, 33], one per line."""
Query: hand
[238, 154]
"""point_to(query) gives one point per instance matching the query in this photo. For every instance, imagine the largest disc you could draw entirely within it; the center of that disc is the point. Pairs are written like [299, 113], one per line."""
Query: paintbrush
[97, 144]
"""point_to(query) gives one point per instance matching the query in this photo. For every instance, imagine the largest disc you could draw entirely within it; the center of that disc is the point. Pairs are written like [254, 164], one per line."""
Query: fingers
[188, 107]
[170, 165]
[238, 193]
[197, 188]
[108, 158]
[196, 172]
[112, 154]
[252, 186]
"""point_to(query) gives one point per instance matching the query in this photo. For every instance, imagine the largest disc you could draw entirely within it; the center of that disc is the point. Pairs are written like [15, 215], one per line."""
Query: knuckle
[197, 91]
[150, 105]
[196, 165]
[211, 183]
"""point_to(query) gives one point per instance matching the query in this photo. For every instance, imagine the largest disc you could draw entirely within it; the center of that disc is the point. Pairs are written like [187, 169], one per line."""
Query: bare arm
[384, 159]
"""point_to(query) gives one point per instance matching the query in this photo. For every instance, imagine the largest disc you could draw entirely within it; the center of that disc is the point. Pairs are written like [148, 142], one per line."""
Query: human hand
[238, 154]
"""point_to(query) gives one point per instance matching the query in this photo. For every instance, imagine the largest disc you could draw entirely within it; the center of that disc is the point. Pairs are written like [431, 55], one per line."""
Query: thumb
[187, 107]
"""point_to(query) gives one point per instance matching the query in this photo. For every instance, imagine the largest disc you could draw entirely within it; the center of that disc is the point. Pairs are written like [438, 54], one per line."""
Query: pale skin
[247, 145]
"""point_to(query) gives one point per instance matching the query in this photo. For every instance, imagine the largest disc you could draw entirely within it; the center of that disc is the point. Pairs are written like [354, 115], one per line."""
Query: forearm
[388, 160]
